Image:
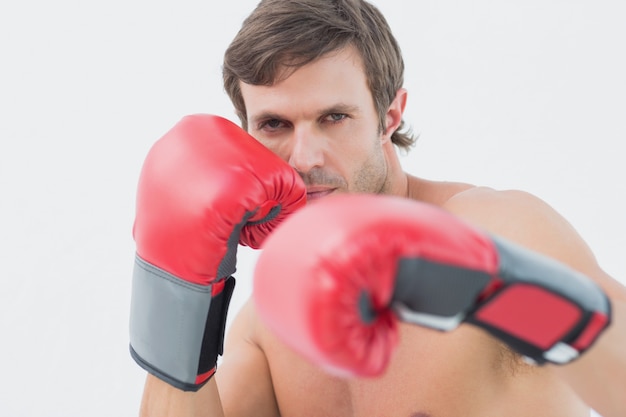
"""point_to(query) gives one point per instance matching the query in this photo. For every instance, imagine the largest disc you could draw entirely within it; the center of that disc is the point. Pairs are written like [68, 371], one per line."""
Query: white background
[528, 95]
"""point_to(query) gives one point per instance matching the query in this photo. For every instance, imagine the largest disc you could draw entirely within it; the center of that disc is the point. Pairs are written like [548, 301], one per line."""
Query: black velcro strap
[437, 289]
[213, 340]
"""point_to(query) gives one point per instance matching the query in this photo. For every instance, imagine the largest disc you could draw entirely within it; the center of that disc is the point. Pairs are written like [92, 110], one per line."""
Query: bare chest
[431, 375]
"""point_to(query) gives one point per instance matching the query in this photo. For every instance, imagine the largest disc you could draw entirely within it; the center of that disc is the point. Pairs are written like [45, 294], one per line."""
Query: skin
[332, 138]
[334, 141]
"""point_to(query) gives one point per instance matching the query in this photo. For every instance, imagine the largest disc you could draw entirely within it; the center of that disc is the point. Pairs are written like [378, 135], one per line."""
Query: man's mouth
[314, 193]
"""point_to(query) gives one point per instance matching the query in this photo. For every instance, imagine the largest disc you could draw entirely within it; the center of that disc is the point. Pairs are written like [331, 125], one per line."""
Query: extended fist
[335, 278]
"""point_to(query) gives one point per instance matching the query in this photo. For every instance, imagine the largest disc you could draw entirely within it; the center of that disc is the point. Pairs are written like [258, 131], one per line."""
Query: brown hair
[283, 35]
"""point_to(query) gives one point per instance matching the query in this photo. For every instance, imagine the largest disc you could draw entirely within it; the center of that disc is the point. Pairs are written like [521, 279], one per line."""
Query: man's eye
[270, 124]
[336, 117]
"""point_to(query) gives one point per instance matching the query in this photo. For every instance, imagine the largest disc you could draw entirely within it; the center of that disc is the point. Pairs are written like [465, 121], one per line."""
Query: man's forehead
[333, 81]
[284, 68]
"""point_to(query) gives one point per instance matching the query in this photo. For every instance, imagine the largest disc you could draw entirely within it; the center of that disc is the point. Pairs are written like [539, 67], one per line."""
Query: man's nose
[306, 150]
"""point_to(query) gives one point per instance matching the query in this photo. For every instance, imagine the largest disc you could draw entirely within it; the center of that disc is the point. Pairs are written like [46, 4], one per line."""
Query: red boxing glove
[204, 187]
[333, 280]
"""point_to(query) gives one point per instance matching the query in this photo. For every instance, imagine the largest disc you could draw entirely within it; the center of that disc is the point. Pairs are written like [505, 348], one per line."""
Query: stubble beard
[373, 176]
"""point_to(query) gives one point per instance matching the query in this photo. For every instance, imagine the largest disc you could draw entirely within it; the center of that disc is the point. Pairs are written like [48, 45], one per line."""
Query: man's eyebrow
[264, 115]
[339, 108]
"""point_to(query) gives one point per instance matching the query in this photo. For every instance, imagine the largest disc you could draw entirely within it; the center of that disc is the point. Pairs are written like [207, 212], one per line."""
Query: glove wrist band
[176, 327]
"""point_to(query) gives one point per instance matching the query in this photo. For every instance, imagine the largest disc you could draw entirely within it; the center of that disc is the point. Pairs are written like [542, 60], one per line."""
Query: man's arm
[205, 188]
[161, 399]
[241, 387]
[362, 272]
[599, 376]
[244, 378]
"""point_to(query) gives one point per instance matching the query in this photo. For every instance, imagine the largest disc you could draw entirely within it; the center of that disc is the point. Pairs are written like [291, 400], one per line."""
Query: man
[319, 84]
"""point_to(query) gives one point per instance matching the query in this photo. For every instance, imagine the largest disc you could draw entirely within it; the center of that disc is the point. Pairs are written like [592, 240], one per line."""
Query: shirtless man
[320, 84]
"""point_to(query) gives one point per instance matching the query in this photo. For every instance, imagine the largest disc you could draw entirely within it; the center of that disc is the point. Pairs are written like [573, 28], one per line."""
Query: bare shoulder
[501, 211]
[514, 214]
[526, 219]
[434, 192]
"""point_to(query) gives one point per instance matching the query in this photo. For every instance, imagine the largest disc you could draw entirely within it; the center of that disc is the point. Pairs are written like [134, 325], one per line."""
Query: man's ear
[394, 113]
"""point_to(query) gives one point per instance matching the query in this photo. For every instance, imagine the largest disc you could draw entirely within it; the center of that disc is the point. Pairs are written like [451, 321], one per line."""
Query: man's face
[322, 121]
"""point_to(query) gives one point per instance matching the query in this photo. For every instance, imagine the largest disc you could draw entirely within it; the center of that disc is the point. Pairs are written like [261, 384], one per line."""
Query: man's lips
[313, 193]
